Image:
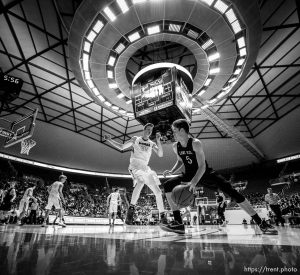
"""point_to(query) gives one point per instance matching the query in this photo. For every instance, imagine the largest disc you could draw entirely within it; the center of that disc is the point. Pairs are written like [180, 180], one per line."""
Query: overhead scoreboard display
[162, 92]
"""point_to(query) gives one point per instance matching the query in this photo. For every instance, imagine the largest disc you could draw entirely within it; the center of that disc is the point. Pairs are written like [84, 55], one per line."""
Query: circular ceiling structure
[222, 36]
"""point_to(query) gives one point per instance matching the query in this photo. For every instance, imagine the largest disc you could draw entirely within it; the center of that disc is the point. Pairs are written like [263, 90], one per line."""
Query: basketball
[182, 196]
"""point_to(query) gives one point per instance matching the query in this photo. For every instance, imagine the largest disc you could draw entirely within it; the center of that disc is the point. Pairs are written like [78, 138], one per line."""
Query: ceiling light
[115, 108]
[85, 61]
[201, 92]
[207, 44]
[109, 14]
[213, 57]
[90, 84]
[207, 82]
[96, 91]
[101, 98]
[138, 1]
[113, 85]
[134, 36]
[212, 101]
[123, 5]
[110, 74]
[120, 48]
[208, 2]
[130, 114]
[122, 112]
[241, 61]
[98, 26]
[221, 6]
[120, 95]
[226, 88]
[221, 95]
[153, 30]
[241, 42]
[214, 71]
[107, 103]
[174, 28]
[236, 26]
[87, 75]
[111, 61]
[204, 107]
[91, 36]
[232, 79]
[230, 16]
[237, 71]
[193, 34]
[87, 46]
[243, 52]
[128, 101]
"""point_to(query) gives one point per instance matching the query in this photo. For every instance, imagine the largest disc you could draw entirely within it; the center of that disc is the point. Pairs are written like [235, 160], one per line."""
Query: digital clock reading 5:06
[11, 79]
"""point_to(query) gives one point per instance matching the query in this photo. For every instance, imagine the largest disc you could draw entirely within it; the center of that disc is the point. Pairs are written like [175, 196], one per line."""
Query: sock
[162, 215]
[247, 207]
[177, 216]
[256, 218]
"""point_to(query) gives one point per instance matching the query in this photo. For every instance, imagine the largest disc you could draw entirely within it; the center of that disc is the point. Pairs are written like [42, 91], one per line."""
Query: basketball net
[26, 145]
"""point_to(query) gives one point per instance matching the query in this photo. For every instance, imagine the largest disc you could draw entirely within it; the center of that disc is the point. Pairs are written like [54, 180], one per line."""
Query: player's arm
[177, 165]
[108, 200]
[198, 149]
[157, 148]
[118, 145]
[14, 195]
[60, 193]
[30, 195]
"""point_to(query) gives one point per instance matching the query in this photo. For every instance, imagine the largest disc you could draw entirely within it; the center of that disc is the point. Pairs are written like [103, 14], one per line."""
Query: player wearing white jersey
[24, 203]
[56, 199]
[113, 200]
[142, 174]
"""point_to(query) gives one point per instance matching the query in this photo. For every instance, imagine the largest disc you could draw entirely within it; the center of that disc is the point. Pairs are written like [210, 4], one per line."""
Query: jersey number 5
[188, 160]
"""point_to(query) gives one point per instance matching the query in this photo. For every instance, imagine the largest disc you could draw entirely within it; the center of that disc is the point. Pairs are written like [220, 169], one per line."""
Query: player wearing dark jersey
[190, 154]
[220, 198]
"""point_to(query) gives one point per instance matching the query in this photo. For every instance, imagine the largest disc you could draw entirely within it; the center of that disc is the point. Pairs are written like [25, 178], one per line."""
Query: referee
[273, 200]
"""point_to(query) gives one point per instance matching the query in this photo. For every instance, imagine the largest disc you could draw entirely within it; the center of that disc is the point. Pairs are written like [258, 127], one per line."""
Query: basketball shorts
[23, 206]
[53, 201]
[113, 208]
[6, 206]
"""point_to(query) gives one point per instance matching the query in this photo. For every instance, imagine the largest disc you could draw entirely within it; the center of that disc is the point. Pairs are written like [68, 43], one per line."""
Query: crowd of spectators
[82, 200]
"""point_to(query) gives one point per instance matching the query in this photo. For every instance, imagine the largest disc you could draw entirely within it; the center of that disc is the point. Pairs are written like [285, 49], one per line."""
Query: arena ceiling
[35, 46]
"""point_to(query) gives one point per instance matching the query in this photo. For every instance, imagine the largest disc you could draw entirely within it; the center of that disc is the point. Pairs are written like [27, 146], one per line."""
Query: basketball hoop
[26, 145]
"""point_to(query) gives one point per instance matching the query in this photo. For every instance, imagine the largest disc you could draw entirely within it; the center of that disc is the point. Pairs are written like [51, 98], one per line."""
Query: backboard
[22, 128]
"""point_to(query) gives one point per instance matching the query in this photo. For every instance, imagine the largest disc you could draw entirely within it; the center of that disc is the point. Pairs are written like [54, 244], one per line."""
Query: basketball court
[146, 249]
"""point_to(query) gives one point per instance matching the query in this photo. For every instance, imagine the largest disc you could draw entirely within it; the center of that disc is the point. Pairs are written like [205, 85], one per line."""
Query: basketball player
[142, 174]
[190, 154]
[221, 207]
[56, 199]
[113, 200]
[24, 203]
[8, 198]
[273, 200]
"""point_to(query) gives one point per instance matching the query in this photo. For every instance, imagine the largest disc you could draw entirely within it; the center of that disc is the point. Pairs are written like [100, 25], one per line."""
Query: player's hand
[107, 137]
[192, 186]
[158, 136]
[167, 173]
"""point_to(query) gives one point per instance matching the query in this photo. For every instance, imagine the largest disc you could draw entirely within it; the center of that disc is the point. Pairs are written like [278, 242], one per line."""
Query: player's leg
[153, 183]
[22, 210]
[176, 226]
[48, 207]
[58, 206]
[134, 198]
[215, 180]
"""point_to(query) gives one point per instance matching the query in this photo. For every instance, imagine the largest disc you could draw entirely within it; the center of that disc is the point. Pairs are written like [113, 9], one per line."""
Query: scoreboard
[165, 98]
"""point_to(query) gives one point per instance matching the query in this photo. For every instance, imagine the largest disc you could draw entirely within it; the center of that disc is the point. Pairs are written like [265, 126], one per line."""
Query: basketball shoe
[61, 224]
[267, 228]
[174, 226]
